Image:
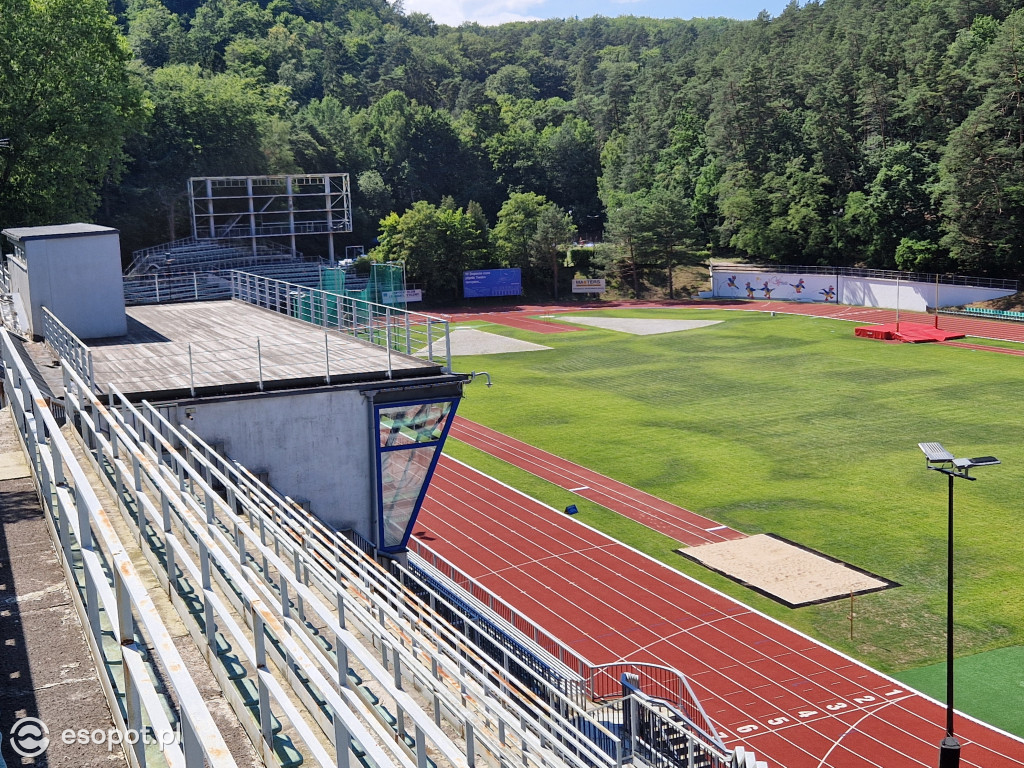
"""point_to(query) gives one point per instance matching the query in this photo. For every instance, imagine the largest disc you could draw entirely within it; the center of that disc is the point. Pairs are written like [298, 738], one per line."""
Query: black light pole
[941, 460]
[949, 750]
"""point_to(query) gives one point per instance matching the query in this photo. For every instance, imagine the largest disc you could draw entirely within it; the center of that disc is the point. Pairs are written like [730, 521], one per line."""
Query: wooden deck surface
[232, 345]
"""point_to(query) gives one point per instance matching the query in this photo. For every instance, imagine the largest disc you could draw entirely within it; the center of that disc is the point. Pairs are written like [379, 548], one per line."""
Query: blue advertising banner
[482, 283]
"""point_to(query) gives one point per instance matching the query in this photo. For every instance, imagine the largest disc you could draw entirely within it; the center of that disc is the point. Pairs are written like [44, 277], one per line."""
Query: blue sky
[454, 12]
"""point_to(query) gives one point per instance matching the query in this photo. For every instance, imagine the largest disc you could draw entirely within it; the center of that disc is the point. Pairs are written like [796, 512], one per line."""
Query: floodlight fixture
[980, 461]
[935, 453]
[941, 460]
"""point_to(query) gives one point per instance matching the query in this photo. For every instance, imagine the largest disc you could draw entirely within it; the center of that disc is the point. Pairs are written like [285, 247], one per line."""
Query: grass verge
[990, 686]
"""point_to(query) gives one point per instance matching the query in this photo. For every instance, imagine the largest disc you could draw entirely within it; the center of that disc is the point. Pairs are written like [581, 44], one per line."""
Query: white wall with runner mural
[856, 287]
[772, 286]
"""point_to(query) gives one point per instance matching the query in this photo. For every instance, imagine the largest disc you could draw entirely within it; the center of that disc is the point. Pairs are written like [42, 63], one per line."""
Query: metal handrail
[395, 329]
[551, 645]
[69, 348]
[337, 558]
[142, 257]
[164, 288]
[246, 536]
[660, 743]
[602, 679]
[152, 482]
[194, 368]
[110, 600]
[143, 253]
[657, 682]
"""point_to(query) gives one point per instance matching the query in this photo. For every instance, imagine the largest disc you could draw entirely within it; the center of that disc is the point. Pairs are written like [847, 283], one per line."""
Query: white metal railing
[399, 330]
[111, 597]
[248, 565]
[142, 256]
[601, 681]
[163, 288]
[658, 742]
[382, 601]
[256, 361]
[69, 348]
[655, 681]
[242, 626]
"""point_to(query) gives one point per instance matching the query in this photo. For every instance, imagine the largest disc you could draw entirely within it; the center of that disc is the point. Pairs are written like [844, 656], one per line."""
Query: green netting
[388, 279]
[384, 282]
[333, 280]
[332, 305]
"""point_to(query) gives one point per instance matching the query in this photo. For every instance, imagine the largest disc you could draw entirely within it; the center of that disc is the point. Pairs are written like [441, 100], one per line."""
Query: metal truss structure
[271, 206]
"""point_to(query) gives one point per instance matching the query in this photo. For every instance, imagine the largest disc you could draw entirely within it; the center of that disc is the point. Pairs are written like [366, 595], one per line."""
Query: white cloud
[455, 12]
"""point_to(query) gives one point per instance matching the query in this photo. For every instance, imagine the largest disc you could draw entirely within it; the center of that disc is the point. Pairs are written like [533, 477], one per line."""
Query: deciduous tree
[67, 101]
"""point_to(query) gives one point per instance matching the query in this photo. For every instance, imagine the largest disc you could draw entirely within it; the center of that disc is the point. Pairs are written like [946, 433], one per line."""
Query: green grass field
[790, 425]
[990, 686]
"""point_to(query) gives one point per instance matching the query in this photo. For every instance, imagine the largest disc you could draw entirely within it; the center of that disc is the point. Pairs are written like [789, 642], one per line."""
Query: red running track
[971, 326]
[792, 700]
[657, 514]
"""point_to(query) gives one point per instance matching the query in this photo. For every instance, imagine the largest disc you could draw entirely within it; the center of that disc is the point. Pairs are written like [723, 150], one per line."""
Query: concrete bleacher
[190, 255]
[197, 270]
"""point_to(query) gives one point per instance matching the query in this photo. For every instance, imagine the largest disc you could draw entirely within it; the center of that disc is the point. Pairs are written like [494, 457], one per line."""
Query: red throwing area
[681, 524]
[793, 701]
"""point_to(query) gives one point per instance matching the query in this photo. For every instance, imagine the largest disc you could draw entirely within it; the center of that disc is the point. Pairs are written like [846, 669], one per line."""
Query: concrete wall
[316, 446]
[871, 292]
[865, 292]
[772, 285]
[79, 280]
[855, 291]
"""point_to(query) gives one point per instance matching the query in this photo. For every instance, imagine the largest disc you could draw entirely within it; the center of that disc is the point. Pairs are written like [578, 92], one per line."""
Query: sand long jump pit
[638, 326]
[784, 571]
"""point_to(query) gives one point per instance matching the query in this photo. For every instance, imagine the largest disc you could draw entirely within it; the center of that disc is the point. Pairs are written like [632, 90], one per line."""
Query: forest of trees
[883, 133]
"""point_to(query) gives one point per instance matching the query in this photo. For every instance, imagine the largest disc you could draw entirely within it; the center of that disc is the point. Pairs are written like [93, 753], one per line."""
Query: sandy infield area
[789, 573]
[469, 341]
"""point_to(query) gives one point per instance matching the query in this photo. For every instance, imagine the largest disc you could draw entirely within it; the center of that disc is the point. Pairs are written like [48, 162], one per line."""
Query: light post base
[949, 753]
